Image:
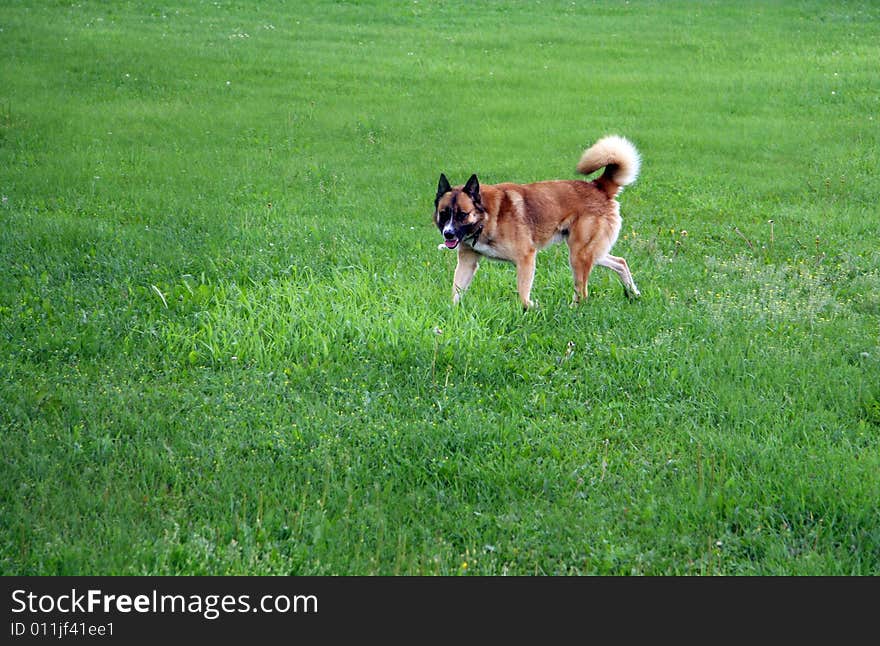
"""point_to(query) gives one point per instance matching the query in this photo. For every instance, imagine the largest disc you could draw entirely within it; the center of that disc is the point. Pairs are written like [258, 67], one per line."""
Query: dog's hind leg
[619, 266]
[588, 239]
[468, 261]
[581, 265]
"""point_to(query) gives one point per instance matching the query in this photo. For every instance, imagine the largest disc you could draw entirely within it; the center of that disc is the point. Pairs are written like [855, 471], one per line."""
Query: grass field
[226, 338]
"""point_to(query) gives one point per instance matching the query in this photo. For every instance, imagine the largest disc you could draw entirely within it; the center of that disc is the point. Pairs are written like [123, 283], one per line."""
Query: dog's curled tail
[620, 159]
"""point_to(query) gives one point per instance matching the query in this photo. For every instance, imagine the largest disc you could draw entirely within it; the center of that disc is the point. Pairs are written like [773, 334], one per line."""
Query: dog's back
[546, 209]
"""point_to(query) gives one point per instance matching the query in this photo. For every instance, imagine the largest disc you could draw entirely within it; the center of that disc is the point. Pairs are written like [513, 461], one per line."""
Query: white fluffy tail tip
[612, 149]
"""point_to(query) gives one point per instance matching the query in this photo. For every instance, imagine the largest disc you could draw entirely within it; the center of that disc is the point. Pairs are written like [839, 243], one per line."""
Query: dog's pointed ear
[472, 189]
[443, 187]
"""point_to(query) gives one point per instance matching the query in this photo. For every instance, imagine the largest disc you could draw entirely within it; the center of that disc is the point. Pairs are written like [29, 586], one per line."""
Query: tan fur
[518, 220]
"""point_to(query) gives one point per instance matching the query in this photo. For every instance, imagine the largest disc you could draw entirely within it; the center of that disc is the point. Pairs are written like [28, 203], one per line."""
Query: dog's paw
[577, 299]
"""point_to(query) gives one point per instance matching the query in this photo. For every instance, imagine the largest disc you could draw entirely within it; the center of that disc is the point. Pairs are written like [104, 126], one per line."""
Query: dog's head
[458, 212]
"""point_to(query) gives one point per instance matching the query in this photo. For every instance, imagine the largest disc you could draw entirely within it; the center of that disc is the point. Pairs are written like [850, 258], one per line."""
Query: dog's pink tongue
[451, 243]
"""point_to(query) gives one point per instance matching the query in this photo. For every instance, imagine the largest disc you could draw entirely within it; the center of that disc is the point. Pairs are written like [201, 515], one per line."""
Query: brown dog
[514, 221]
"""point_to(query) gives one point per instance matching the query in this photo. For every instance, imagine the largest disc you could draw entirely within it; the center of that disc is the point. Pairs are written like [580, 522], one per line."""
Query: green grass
[226, 337]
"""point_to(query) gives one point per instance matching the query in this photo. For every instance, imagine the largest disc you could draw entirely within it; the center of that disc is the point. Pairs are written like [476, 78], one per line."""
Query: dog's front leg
[468, 261]
[525, 274]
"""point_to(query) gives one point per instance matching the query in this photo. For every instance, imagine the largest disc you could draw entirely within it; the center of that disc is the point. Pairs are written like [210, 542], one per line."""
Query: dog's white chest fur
[488, 250]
